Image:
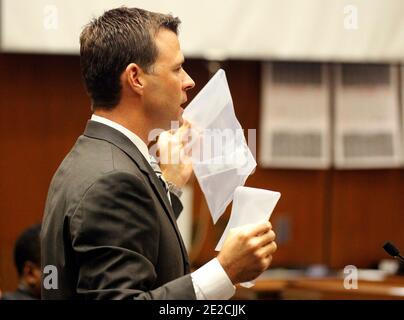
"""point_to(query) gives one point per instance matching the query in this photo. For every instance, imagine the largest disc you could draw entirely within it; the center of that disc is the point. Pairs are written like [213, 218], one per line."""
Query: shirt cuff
[211, 282]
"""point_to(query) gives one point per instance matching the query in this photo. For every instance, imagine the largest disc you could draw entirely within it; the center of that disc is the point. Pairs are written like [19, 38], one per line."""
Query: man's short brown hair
[108, 44]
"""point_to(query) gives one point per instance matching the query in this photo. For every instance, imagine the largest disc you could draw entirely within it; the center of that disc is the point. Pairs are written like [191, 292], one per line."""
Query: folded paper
[250, 206]
[221, 158]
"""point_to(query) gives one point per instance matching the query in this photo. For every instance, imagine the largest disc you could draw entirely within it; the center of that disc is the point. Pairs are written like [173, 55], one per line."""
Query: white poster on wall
[339, 30]
[367, 116]
[294, 117]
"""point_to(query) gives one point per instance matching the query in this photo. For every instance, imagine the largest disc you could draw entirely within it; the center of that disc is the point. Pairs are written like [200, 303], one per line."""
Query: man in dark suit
[110, 220]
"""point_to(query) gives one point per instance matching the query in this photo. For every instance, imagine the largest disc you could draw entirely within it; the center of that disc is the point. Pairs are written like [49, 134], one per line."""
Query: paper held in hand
[250, 206]
[221, 158]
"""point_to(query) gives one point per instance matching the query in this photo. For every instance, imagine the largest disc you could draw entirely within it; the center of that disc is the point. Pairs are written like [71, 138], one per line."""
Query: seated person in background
[27, 257]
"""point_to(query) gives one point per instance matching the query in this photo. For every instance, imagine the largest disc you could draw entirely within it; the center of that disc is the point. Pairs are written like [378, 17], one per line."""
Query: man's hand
[247, 252]
[175, 163]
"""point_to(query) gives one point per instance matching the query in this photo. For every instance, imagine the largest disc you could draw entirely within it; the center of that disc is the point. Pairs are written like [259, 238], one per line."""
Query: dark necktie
[156, 168]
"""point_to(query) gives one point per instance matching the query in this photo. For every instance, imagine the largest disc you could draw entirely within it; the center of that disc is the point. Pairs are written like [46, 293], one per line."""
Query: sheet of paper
[221, 158]
[250, 206]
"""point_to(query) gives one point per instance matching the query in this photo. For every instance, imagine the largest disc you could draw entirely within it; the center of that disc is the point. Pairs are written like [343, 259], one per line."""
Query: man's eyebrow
[181, 62]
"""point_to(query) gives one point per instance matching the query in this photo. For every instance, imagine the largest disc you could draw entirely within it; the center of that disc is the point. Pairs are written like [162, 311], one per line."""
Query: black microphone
[393, 251]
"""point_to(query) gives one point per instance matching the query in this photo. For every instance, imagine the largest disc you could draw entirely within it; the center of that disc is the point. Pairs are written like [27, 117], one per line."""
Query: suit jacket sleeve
[113, 233]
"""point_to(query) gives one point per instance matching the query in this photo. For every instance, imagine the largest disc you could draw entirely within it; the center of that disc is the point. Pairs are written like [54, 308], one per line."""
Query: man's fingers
[268, 261]
[266, 238]
[268, 250]
[183, 132]
[255, 230]
[186, 124]
[164, 138]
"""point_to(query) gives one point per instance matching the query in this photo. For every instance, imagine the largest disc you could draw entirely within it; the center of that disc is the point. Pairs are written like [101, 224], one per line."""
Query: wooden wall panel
[43, 109]
[333, 217]
[298, 219]
[367, 210]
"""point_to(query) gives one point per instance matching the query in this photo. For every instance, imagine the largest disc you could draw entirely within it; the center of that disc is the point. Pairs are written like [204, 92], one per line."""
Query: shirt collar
[129, 134]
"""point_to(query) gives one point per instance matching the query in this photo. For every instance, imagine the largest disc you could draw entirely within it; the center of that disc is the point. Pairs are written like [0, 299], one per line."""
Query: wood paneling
[330, 216]
[367, 210]
[43, 109]
[300, 210]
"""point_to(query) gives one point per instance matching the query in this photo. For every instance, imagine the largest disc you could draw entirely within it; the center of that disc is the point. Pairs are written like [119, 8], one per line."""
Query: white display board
[339, 30]
[367, 116]
[294, 117]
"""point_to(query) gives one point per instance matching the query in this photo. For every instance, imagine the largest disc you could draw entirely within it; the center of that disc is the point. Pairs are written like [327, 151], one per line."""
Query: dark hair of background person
[27, 258]
[108, 44]
[28, 248]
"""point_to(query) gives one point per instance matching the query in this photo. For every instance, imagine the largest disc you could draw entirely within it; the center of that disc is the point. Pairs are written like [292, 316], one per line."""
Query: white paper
[221, 158]
[250, 206]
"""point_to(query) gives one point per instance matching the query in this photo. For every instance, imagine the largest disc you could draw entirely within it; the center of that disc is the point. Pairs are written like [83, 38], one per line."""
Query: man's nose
[188, 82]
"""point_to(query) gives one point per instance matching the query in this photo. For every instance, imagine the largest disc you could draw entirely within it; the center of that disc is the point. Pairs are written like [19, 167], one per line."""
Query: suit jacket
[109, 227]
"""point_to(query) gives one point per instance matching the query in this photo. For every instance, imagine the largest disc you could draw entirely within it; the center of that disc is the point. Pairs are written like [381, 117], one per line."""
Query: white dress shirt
[210, 281]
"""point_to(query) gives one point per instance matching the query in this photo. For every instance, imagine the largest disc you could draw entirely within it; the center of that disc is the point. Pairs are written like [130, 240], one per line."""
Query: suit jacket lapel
[101, 131]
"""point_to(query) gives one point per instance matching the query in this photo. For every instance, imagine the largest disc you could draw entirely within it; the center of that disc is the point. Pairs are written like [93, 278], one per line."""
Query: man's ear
[135, 78]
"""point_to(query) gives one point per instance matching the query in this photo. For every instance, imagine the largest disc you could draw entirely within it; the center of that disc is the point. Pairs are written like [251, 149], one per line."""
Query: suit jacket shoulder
[109, 227]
